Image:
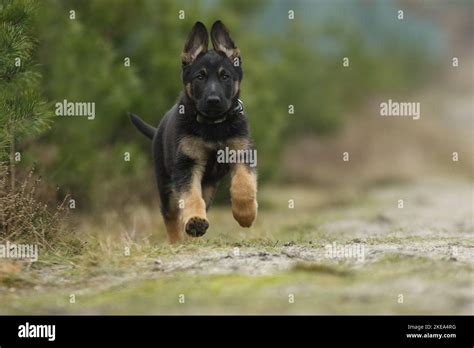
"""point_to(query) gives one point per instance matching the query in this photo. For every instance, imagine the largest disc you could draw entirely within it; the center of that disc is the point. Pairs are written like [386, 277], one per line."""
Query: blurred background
[286, 62]
[112, 252]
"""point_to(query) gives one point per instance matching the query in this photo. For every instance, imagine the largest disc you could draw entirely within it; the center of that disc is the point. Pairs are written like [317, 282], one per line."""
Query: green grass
[282, 255]
[317, 288]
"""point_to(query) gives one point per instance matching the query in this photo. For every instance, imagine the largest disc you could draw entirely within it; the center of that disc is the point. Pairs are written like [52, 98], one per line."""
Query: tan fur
[235, 54]
[194, 204]
[195, 148]
[188, 90]
[238, 143]
[232, 53]
[173, 223]
[175, 229]
[236, 87]
[243, 187]
[188, 57]
[236, 83]
[243, 191]
[208, 194]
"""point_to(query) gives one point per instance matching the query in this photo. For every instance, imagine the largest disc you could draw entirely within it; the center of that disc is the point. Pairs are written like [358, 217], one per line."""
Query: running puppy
[207, 117]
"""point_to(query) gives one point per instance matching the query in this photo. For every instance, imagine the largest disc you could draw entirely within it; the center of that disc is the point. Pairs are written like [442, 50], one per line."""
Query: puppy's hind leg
[208, 193]
[174, 227]
[172, 217]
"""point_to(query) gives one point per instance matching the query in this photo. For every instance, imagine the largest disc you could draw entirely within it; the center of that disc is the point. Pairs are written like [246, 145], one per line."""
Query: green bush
[82, 59]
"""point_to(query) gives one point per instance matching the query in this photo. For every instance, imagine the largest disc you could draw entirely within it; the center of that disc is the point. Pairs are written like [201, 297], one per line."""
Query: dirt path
[334, 252]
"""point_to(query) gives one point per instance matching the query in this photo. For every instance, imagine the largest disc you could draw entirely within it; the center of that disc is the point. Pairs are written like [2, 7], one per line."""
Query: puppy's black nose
[213, 100]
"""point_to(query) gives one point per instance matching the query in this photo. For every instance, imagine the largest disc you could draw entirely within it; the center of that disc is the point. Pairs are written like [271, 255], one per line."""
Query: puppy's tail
[142, 126]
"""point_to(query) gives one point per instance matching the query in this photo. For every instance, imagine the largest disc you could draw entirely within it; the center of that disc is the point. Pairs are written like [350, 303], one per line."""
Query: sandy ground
[334, 252]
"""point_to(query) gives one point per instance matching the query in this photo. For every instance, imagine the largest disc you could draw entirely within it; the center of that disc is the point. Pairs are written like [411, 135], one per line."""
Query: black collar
[238, 109]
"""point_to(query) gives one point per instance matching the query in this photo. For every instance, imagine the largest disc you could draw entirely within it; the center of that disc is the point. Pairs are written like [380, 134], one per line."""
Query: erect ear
[196, 43]
[222, 42]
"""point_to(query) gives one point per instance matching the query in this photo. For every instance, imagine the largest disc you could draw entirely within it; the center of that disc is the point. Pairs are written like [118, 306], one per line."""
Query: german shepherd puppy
[207, 117]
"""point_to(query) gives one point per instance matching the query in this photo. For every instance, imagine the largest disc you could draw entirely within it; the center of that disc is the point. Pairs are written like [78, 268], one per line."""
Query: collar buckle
[237, 110]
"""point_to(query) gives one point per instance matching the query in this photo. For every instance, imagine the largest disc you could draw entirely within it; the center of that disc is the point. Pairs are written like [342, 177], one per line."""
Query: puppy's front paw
[244, 211]
[196, 226]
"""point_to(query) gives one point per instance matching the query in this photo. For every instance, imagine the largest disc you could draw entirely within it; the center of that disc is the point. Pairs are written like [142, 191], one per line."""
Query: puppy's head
[211, 77]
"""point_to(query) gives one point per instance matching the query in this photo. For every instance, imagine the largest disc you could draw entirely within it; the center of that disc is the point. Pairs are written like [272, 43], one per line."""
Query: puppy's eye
[225, 76]
[201, 75]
